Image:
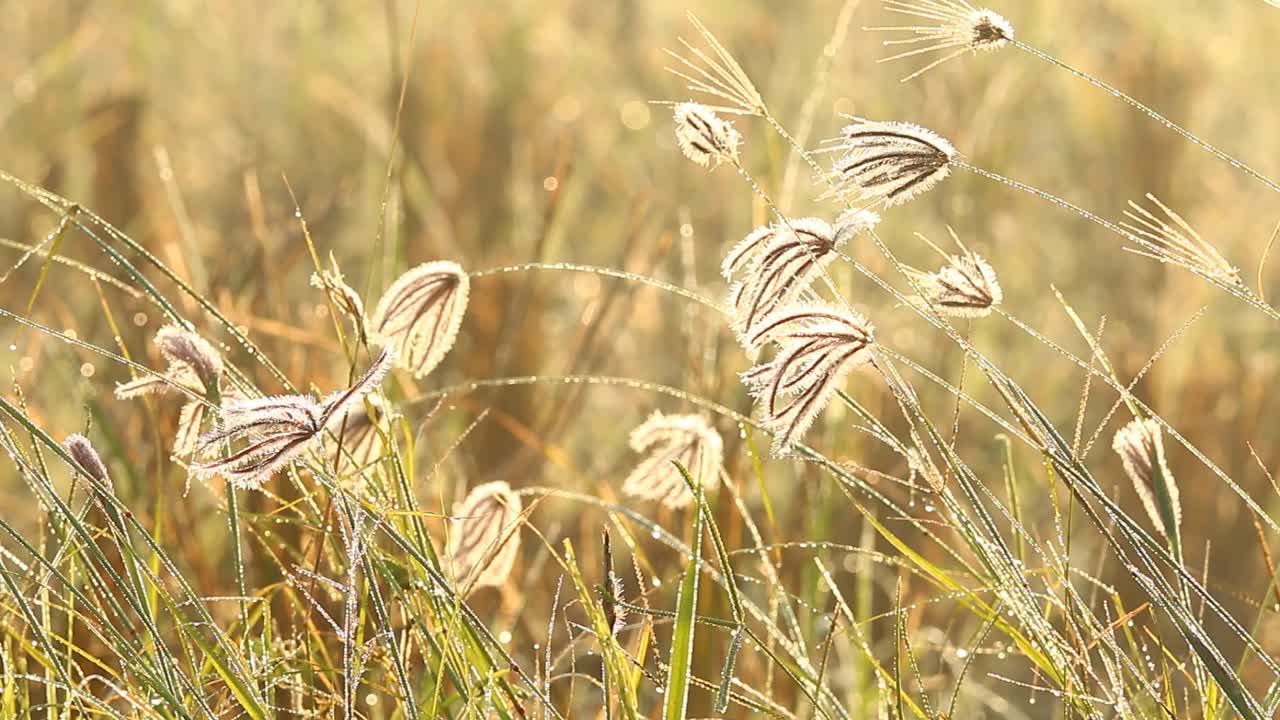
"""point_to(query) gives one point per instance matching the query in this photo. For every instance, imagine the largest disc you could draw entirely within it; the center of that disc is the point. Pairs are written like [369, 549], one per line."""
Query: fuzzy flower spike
[966, 287]
[818, 345]
[195, 367]
[666, 439]
[275, 431]
[704, 137]
[890, 162]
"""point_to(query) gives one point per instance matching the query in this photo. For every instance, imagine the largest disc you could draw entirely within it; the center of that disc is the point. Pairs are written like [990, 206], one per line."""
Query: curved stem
[604, 272]
[1149, 112]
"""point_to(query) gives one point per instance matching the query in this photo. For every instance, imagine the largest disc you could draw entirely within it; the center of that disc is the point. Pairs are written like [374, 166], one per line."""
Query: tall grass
[529, 457]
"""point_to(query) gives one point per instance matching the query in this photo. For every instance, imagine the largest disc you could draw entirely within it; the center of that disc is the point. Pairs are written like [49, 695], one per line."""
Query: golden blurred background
[528, 131]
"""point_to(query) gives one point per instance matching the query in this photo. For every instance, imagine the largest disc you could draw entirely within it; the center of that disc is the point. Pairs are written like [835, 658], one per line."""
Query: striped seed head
[966, 287]
[780, 270]
[703, 137]
[421, 312]
[273, 432]
[484, 538]
[665, 439]
[890, 162]
[818, 345]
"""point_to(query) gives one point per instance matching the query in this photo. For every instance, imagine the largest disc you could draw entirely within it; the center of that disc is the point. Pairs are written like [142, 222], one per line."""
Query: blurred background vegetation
[528, 132]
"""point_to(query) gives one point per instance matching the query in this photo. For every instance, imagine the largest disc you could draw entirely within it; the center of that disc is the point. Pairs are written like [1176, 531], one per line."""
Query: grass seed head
[781, 271]
[966, 287]
[1141, 450]
[818, 345]
[275, 431]
[705, 138]
[891, 162]
[484, 541]
[90, 463]
[1165, 236]
[665, 439]
[421, 312]
[342, 295]
[193, 364]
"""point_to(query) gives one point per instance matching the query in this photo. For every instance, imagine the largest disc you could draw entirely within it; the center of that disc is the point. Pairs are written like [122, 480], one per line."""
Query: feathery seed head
[740, 255]
[185, 349]
[818, 345]
[484, 541]
[853, 222]
[664, 439]
[1141, 450]
[90, 463]
[891, 162]
[421, 312]
[193, 364]
[966, 287]
[275, 431]
[955, 27]
[703, 137]
[1170, 239]
[784, 264]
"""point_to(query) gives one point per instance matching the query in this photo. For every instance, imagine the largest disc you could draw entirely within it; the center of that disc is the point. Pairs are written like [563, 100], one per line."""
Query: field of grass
[214, 218]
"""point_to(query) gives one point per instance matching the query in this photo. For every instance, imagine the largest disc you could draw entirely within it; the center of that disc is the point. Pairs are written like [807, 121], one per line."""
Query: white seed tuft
[1141, 450]
[966, 287]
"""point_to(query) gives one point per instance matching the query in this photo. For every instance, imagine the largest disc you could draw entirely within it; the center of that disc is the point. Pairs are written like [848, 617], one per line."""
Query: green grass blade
[682, 640]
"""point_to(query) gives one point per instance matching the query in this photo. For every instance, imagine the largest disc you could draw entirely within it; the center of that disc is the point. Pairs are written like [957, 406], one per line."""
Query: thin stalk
[1149, 112]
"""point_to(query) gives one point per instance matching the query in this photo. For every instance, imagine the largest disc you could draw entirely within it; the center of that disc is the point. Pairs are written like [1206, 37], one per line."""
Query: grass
[952, 537]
